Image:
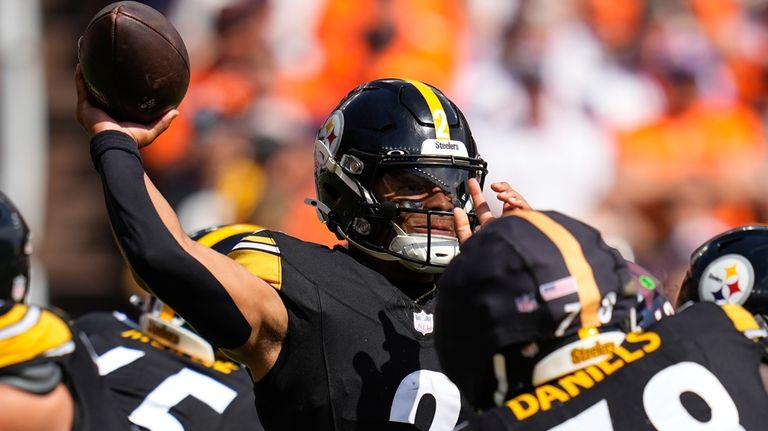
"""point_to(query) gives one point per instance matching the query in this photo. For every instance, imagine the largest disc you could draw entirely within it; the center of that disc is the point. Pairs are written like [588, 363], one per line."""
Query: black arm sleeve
[172, 274]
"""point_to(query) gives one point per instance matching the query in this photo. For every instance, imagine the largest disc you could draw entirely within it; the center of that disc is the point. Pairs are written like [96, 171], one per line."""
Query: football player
[335, 338]
[730, 268]
[163, 374]
[537, 326]
[47, 379]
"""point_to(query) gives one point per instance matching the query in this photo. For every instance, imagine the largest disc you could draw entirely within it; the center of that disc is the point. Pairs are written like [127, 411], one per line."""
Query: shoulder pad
[38, 379]
[260, 254]
[29, 332]
[744, 321]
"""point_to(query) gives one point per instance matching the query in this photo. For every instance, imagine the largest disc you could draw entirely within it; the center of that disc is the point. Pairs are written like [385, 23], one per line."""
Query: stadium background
[645, 118]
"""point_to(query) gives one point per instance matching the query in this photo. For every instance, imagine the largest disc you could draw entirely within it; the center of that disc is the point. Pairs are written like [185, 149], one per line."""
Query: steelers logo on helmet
[332, 131]
[727, 279]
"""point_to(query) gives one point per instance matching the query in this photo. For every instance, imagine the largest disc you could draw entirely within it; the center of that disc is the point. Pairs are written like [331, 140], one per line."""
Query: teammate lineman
[336, 339]
[165, 376]
[534, 317]
[47, 379]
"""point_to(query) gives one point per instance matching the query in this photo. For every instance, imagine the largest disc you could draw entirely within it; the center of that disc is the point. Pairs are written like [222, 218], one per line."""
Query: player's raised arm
[227, 304]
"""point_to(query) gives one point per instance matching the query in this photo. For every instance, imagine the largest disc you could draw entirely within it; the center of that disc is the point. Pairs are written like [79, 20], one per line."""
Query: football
[134, 62]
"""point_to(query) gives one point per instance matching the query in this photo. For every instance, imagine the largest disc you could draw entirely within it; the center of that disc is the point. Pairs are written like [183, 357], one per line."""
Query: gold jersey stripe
[212, 238]
[48, 336]
[575, 261]
[742, 319]
[442, 131]
[265, 265]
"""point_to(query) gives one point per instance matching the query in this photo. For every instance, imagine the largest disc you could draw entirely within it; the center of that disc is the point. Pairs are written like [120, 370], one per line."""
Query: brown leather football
[134, 62]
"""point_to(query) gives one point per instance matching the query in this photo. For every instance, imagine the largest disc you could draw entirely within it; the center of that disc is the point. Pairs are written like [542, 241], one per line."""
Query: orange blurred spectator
[616, 23]
[369, 39]
[696, 139]
[239, 74]
[283, 135]
[703, 155]
[738, 30]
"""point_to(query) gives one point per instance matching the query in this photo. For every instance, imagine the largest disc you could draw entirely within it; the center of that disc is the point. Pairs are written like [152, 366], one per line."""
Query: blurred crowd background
[645, 118]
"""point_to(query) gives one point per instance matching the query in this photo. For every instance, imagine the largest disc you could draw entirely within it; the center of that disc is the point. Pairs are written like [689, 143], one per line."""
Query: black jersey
[359, 354]
[693, 371]
[161, 390]
[35, 341]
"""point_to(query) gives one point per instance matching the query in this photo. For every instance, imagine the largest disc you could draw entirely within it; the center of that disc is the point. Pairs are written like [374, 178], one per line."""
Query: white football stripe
[29, 320]
[247, 245]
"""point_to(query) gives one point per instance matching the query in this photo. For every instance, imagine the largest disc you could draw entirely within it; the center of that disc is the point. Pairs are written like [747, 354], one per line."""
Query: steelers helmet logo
[727, 280]
[332, 130]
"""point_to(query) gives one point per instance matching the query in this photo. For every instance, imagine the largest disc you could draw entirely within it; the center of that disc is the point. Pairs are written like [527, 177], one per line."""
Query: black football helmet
[160, 321]
[15, 249]
[394, 126]
[532, 297]
[731, 267]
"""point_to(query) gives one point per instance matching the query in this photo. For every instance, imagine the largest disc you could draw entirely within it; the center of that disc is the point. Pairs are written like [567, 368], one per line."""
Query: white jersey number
[416, 385]
[154, 412]
[661, 401]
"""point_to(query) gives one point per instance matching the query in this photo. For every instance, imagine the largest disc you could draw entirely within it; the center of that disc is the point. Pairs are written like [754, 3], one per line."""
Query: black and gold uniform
[359, 354]
[693, 371]
[39, 351]
[159, 389]
[342, 347]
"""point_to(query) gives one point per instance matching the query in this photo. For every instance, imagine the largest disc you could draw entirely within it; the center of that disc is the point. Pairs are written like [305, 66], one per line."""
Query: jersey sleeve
[260, 254]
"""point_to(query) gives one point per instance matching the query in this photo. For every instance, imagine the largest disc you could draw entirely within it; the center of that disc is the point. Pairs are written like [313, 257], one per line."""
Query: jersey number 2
[416, 385]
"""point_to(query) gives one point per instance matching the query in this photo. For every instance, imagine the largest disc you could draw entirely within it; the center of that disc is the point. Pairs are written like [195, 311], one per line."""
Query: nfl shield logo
[423, 322]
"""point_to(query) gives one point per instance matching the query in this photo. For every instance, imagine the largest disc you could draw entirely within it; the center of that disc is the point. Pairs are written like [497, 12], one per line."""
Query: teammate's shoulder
[267, 254]
[31, 334]
[702, 316]
[262, 241]
[744, 321]
[271, 242]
